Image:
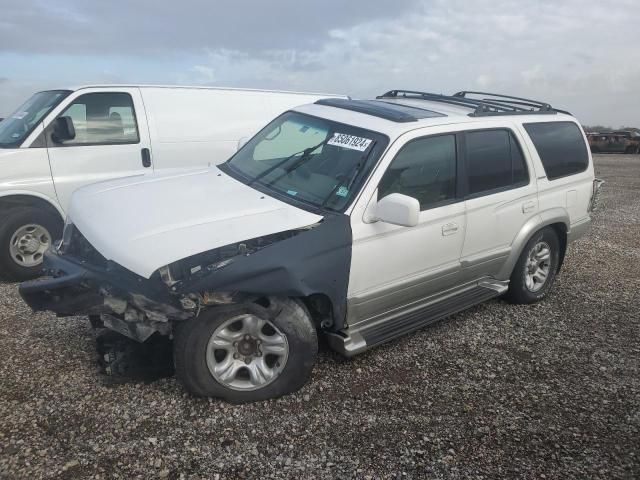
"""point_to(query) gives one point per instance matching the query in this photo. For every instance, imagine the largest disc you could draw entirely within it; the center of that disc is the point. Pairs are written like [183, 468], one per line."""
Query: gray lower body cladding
[361, 337]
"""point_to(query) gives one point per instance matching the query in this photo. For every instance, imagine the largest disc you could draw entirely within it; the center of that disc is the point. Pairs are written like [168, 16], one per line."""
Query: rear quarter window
[561, 147]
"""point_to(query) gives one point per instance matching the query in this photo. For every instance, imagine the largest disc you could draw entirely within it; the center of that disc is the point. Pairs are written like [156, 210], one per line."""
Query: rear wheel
[25, 234]
[536, 269]
[247, 353]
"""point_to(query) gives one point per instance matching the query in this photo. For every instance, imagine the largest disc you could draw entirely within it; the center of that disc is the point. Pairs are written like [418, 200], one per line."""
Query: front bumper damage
[126, 303]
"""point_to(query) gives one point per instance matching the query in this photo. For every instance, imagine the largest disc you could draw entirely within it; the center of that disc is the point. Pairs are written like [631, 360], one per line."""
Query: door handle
[146, 157]
[449, 229]
[528, 207]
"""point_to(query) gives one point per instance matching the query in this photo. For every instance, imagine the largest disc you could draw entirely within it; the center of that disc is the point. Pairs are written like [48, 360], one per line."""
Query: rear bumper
[73, 287]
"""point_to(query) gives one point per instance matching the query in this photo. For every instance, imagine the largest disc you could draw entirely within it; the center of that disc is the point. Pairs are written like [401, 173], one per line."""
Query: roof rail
[496, 104]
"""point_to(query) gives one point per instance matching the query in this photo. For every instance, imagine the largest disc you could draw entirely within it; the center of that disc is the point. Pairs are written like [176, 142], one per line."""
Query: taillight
[595, 194]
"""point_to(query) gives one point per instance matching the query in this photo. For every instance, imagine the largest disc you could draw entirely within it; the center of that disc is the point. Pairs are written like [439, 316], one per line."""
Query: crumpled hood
[143, 223]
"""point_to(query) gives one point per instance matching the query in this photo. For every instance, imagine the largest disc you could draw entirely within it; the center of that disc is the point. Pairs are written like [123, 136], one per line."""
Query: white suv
[361, 220]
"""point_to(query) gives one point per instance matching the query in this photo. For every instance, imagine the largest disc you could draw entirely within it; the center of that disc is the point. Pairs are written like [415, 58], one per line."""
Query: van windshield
[17, 126]
[308, 159]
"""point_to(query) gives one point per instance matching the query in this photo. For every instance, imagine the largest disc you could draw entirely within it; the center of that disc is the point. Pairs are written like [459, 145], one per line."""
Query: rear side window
[102, 119]
[494, 161]
[560, 146]
[424, 169]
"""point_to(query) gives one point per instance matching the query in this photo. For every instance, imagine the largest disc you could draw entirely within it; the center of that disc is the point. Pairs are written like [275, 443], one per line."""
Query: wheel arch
[556, 218]
[13, 200]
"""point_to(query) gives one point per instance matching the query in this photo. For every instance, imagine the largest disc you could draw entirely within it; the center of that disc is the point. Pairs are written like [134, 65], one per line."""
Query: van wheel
[536, 269]
[25, 234]
[247, 353]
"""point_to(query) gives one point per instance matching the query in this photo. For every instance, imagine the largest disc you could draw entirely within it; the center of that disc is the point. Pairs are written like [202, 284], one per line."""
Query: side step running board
[352, 341]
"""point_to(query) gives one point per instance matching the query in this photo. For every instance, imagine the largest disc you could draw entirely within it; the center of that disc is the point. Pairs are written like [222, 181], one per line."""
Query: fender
[541, 220]
[29, 193]
[317, 261]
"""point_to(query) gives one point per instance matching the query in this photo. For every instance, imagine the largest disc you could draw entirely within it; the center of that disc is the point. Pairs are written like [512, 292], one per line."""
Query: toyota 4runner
[359, 220]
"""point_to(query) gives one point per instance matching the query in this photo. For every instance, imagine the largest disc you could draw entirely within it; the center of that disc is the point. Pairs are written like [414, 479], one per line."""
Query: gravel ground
[544, 391]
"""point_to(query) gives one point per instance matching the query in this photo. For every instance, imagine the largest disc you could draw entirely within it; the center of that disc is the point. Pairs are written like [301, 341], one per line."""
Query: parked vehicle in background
[614, 142]
[60, 140]
[361, 220]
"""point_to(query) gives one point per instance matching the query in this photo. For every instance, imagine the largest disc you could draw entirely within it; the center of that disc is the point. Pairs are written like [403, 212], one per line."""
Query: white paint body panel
[147, 222]
[27, 172]
[75, 166]
[202, 127]
[385, 254]
[495, 219]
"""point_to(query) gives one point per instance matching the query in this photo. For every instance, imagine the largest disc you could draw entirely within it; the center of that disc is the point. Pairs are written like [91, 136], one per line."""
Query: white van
[60, 140]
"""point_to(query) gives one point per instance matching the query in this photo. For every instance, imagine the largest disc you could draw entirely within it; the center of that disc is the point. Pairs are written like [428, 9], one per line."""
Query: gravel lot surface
[544, 391]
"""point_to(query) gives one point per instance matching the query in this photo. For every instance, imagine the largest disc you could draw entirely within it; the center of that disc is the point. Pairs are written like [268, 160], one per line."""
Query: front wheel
[536, 268]
[25, 234]
[246, 353]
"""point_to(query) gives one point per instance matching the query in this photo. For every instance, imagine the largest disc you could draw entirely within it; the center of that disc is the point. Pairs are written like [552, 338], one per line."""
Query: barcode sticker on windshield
[349, 141]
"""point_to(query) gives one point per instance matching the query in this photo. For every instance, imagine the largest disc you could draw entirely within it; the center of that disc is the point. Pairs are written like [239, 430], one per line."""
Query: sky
[579, 55]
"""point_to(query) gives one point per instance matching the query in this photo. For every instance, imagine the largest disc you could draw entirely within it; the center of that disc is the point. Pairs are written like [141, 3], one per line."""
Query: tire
[125, 360]
[196, 359]
[522, 292]
[23, 218]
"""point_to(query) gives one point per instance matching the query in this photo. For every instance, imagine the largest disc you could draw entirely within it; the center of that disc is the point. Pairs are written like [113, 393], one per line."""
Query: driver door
[111, 140]
[394, 266]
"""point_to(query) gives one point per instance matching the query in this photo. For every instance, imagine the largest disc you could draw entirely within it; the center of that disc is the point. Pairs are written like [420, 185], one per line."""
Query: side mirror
[63, 130]
[242, 142]
[398, 209]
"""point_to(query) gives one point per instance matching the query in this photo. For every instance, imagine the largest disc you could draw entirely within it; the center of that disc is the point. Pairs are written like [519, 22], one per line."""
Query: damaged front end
[80, 281]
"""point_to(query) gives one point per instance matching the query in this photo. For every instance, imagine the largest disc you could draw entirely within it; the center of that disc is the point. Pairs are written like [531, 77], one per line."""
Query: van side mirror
[63, 130]
[398, 209]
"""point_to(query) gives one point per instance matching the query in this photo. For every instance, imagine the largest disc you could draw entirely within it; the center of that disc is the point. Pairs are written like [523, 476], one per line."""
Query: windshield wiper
[352, 176]
[305, 153]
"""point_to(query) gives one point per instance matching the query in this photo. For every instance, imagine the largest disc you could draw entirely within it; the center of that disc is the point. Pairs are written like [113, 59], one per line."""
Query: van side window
[560, 146]
[424, 169]
[494, 161]
[103, 119]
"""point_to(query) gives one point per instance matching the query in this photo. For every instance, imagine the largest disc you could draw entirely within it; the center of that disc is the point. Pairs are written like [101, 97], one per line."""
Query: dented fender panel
[316, 261]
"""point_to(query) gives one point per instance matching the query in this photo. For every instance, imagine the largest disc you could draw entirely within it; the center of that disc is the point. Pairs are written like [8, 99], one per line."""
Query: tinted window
[102, 118]
[424, 169]
[494, 161]
[560, 146]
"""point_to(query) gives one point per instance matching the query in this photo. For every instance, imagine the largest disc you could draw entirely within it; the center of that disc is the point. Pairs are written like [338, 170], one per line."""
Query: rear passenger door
[112, 140]
[500, 197]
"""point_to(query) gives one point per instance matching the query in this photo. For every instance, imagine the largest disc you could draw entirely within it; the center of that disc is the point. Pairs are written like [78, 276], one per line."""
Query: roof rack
[494, 105]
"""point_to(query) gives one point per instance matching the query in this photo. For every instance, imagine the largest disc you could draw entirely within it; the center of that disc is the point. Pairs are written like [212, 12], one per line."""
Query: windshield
[17, 126]
[308, 159]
